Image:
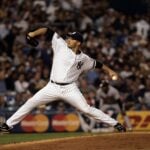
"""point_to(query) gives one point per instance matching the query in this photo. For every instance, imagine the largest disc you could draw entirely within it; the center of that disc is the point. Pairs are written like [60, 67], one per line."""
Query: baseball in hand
[114, 77]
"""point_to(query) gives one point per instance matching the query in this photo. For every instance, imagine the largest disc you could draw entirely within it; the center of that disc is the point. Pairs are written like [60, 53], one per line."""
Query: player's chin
[68, 44]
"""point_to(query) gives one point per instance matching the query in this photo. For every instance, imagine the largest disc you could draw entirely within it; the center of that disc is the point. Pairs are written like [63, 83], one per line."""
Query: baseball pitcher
[68, 63]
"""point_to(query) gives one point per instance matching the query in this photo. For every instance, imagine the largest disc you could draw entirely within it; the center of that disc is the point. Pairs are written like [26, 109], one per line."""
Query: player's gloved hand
[31, 40]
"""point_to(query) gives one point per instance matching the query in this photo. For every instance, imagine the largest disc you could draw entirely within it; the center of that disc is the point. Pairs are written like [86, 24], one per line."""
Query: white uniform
[66, 68]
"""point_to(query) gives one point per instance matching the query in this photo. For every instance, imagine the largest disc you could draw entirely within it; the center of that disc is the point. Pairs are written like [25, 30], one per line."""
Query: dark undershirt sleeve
[98, 64]
[49, 34]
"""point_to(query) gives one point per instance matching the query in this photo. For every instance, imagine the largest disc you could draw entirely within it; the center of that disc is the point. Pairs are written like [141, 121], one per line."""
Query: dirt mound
[114, 141]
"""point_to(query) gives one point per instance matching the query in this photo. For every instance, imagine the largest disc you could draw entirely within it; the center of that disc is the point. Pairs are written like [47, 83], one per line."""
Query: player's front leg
[45, 95]
[19, 115]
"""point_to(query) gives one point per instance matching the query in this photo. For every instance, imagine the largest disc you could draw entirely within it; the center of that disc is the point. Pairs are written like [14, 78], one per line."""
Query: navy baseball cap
[76, 36]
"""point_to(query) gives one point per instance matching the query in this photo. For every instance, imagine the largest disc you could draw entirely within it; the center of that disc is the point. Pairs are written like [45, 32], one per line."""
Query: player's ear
[78, 43]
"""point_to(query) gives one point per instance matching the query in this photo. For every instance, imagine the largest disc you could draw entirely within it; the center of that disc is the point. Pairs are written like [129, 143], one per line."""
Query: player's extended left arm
[111, 73]
[31, 36]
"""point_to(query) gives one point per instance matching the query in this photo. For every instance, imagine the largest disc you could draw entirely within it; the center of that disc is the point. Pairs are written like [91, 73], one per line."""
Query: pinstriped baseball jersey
[67, 66]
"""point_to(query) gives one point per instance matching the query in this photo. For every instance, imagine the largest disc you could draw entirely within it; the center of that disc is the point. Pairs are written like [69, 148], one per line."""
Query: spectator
[21, 85]
[3, 88]
[108, 97]
[37, 82]
[143, 28]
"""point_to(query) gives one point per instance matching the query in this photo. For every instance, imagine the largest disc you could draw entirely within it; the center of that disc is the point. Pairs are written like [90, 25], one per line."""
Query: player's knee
[31, 101]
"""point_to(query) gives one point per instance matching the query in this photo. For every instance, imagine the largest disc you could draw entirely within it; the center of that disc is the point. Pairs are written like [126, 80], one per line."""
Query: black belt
[60, 83]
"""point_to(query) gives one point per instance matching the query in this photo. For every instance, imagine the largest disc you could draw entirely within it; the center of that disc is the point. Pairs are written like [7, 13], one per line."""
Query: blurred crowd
[119, 40]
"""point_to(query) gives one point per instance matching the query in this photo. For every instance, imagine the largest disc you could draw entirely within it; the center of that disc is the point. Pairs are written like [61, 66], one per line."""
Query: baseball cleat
[120, 127]
[5, 128]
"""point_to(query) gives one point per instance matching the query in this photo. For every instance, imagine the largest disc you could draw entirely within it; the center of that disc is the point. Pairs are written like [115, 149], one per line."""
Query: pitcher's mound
[113, 141]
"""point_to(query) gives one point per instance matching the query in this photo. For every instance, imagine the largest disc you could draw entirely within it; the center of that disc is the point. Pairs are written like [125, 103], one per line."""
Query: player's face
[72, 43]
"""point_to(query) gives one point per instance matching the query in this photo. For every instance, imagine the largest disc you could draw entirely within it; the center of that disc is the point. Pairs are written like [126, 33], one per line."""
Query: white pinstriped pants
[52, 92]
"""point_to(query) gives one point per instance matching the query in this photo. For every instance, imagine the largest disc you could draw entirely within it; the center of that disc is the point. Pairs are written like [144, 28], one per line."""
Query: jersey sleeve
[57, 42]
[90, 63]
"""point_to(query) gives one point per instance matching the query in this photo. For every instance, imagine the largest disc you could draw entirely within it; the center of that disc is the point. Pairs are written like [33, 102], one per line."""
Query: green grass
[16, 138]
